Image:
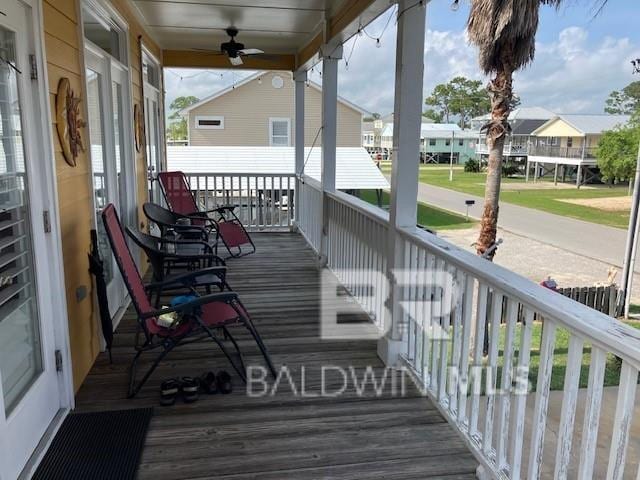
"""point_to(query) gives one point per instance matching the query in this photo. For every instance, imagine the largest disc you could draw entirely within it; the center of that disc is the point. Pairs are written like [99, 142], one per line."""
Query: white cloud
[573, 73]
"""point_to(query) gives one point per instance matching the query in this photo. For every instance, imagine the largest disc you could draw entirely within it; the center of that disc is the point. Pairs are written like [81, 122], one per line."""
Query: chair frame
[205, 215]
[195, 327]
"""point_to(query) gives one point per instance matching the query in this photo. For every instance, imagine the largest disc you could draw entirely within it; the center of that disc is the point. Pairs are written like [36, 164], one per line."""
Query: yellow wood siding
[247, 109]
[558, 128]
[63, 48]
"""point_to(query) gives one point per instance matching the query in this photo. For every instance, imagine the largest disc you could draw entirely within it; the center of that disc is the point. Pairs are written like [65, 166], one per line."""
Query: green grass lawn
[429, 217]
[547, 200]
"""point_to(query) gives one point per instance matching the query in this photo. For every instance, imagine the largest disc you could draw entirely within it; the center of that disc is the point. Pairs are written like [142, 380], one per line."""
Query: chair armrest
[225, 297]
[223, 208]
[184, 279]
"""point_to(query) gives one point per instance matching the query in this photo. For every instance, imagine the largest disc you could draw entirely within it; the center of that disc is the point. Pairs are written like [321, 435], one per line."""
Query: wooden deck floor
[282, 436]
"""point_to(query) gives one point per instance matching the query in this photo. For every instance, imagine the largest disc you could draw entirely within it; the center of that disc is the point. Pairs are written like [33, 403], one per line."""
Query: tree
[504, 33]
[177, 128]
[624, 102]
[460, 97]
[433, 115]
[617, 153]
[371, 118]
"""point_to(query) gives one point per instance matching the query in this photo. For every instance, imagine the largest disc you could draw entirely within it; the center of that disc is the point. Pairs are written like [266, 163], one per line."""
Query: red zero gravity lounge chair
[200, 317]
[228, 226]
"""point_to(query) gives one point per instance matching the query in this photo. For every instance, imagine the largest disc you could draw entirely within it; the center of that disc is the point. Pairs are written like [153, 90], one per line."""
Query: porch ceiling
[189, 31]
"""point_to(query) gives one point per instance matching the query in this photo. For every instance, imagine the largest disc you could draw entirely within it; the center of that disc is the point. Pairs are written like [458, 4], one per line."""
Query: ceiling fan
[235, 50]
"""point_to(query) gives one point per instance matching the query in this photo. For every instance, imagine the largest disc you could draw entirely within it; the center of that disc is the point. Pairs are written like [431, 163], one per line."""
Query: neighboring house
[259, 111]
[372, 136]
[523, 122]
[438, 142]
[569, 142]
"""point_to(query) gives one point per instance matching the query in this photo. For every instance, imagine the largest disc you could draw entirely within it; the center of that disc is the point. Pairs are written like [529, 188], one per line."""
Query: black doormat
[96, 446]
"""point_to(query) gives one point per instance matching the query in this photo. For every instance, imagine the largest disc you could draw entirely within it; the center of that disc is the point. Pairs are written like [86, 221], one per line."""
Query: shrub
[509, 170]
[472, 166]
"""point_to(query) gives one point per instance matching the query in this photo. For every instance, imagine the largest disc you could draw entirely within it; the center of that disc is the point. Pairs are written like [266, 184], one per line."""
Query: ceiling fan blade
[250, 51]
[236, 61]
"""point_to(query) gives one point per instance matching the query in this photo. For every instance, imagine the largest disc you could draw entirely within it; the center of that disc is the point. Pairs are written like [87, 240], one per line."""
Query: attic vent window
[210, 122]
[277, 82]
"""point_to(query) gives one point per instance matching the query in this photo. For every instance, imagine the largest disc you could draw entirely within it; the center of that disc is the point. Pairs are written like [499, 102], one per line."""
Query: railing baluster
[463, 375]
[539, 420]
[478, 351]
[445, 328]
[569, 400]
[420, 312]
[430, 268]
[622, 421]
[492, 368]
[520, 397]
[436, 318]
[505, 384]
[456, 331]
[592, 413]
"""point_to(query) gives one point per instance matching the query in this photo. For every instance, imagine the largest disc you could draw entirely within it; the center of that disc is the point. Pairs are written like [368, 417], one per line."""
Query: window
[101, 29]
[432, 142]
[570, 142]
[461, 143]
[150, 72]
[279, 132]
[210, 122]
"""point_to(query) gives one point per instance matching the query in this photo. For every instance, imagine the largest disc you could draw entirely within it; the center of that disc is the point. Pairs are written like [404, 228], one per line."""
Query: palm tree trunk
[501, 93]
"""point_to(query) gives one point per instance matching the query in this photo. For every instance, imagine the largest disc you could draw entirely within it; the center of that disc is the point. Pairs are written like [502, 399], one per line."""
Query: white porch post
[404, 176]
[300, 78]
[526, 174]
[331, 54]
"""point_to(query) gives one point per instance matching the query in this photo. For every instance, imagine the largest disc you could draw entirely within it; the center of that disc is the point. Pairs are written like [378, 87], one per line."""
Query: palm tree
[504, 32]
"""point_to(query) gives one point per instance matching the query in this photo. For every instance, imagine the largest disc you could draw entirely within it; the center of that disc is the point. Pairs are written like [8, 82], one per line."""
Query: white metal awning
[354, 167]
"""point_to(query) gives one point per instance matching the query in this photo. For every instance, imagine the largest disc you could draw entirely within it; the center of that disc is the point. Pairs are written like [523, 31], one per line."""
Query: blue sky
[580, 58]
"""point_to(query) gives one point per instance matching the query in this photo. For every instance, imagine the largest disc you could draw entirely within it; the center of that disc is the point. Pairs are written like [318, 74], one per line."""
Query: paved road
[592, 240]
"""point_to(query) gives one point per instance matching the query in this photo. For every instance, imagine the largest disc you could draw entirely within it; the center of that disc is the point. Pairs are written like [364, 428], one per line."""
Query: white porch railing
[454, 300]
[357, 250]
[507, 150]
[263, 201]
[310, 210]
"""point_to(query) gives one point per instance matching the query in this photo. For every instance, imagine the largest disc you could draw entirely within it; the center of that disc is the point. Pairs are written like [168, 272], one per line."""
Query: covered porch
[357, 427]
[459, 326]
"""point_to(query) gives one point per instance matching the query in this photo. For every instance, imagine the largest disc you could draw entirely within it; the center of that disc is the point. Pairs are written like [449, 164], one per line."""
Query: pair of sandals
[189, 387]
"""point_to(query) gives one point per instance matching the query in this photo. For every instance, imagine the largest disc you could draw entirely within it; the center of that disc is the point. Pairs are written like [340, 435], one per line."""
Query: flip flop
[168, 392]
[189, 387]
[223, 379]
[208, 383]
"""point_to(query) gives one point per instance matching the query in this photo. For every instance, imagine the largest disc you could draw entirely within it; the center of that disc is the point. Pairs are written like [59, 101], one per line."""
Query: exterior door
[30, 394]
[108, 155]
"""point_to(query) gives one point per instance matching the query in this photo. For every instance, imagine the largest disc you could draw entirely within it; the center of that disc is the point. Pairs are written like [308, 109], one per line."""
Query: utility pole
[624, 297]
[451, 158]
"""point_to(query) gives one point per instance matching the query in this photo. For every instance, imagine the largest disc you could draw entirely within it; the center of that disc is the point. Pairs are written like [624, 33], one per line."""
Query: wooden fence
[602, 299]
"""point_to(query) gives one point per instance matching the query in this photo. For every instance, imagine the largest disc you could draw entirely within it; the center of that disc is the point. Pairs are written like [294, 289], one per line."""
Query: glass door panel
[20, 348]
[119, 139]
[95, 106]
